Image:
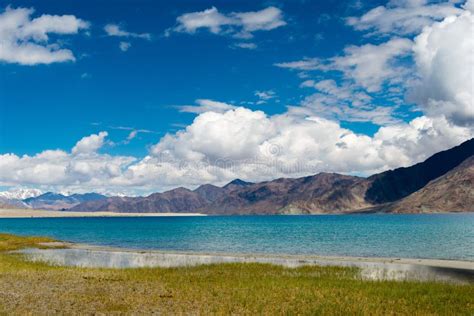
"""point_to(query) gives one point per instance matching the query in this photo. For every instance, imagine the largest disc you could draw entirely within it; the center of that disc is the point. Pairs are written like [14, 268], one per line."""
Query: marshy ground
[37, 288]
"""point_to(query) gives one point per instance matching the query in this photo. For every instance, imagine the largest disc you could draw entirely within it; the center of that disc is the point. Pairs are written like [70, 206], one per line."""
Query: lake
[434, 236]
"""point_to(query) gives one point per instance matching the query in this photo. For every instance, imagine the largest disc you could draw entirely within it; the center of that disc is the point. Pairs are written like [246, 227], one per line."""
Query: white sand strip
[28, 213]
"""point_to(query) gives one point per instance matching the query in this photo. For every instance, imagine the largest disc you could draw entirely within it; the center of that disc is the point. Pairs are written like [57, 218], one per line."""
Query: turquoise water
[440, 236]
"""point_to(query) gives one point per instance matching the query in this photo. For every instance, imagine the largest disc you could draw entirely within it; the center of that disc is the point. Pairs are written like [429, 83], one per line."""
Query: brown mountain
[393, 185]
[321, 193]
[452, 192]
[176, 200]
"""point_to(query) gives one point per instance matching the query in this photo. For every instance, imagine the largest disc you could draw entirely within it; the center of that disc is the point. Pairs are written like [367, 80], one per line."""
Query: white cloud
[469, 6]
[116, 30]
[368, 65]
[132, 135]
[441, 83]
[245, 45]
[210, 19]
[343, 103]
[218, 147]
[263, 20]
[239, 24]
[206, 105]
[402, 17]
[25, 41]
[264, 96]
[124, 46]
[372, 65]
[444, 55]
[256, 146]
[90, 144]
[304, 64]
[225, 142]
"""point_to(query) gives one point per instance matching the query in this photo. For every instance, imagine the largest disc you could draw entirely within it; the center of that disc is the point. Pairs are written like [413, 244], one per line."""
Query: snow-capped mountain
[20, 193]
[57, 201]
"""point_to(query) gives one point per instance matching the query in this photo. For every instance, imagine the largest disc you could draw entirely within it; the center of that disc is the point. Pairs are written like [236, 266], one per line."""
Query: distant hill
[56, 201]
[445, 188]
[6, 203]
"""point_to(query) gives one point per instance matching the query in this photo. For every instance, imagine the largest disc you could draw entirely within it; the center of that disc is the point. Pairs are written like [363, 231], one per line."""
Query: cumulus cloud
[218, 147]
[58, 168]
[211, 19]
[206, 105]
[26, 41]
[253, 145]
[90, 144]
[239, 24]
[402, 17]
[440, 81]
[225, 142]
[263, 20]
[469, 6]
[444, 54]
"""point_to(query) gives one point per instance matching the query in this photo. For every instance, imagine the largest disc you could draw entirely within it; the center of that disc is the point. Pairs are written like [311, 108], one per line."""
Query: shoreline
[440, 263]
[371, 268]
[433, 262]
[34, 213]
[34, 286]
[28, 213]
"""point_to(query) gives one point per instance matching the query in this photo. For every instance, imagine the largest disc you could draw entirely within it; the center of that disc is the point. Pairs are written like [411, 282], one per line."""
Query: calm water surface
[441, 236]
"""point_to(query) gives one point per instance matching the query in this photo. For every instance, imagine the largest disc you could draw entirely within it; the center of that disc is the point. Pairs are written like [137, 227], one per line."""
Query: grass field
[34, 288]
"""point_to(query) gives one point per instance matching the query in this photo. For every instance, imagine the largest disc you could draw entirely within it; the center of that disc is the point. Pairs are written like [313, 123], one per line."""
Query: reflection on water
[123, 259]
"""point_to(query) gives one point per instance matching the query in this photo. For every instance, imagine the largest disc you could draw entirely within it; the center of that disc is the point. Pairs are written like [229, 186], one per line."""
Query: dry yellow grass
[39, 289]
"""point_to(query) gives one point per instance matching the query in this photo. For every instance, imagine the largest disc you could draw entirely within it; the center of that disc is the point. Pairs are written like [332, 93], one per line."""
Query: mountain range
[48, 201]
[442, 183]
[20, 193]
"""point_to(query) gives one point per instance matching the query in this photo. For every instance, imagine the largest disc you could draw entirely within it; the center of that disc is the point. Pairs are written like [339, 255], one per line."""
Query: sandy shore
[27, 213]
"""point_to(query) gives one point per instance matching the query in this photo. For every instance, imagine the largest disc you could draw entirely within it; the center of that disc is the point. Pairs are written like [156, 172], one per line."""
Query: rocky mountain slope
[321, 193]
[452, 192]
[396, 184]
[6, 203]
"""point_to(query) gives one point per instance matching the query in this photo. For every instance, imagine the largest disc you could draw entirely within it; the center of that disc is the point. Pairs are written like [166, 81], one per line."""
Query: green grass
[248, 289]
[11, 242]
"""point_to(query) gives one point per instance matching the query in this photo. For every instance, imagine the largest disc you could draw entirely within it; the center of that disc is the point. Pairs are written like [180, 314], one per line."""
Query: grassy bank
[36, 288]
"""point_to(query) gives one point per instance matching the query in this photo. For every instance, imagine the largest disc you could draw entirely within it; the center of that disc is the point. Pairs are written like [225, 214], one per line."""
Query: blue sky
[139, 88]
[138, 80]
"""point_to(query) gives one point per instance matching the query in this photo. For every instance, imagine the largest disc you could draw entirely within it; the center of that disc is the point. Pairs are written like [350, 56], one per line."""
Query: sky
[133, 97]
